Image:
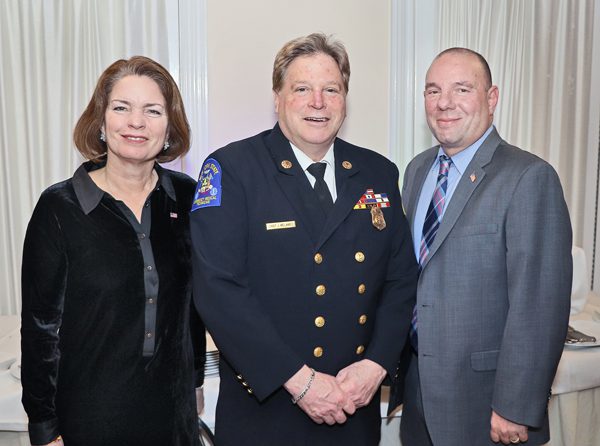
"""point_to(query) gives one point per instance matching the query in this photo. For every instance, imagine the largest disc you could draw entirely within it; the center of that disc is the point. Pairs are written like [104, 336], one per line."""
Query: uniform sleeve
[44, 271]
[245, 335]
[539, 267]
[394, 311]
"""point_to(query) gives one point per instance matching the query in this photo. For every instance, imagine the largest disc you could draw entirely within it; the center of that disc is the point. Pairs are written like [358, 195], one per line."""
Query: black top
[142, 229]
[88, 370]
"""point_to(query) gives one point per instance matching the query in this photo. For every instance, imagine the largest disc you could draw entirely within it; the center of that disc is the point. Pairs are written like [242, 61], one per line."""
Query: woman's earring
[102, 136]
[166, 146]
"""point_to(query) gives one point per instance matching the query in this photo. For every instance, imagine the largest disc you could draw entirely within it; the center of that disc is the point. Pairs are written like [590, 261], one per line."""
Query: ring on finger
[515, 440]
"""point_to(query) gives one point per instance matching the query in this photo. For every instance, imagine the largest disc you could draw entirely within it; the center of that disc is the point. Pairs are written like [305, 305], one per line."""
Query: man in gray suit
[494, 249]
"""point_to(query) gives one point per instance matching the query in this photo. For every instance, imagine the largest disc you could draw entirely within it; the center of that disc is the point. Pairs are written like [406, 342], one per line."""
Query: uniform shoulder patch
[208, 190]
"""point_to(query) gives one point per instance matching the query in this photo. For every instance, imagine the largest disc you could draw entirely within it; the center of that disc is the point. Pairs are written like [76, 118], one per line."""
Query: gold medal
[377, 218]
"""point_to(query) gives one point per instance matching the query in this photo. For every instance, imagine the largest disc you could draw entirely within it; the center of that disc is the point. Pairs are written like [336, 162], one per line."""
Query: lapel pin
[286, 164]
[347, 165]
[473, 177]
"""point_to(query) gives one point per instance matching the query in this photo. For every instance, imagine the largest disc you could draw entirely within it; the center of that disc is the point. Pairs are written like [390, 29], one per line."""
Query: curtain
[52, 54]
[540, 55]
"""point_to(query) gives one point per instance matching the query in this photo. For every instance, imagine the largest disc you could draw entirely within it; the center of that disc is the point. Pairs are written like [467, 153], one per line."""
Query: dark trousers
[413, 429]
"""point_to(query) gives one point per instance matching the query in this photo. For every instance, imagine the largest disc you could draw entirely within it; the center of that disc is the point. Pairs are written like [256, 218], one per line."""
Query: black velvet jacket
[84, 374]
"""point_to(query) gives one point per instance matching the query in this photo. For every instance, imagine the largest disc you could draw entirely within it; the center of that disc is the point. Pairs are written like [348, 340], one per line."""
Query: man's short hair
[486, 68]
[310, 45]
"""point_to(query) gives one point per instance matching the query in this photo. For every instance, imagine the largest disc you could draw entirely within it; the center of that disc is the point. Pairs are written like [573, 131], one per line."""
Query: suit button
[362, 320]
[362, 288]
[320, 290]
[318, 258]
[319, 321]
[318, 352]
[360, 349]
[359, 257]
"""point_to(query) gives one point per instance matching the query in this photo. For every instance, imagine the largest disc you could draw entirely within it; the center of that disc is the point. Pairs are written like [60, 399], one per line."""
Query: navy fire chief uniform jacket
[279, 287]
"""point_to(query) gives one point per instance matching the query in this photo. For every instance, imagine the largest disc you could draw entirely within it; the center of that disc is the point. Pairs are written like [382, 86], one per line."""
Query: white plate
[583, 345]
[15, 370]
[6, 359]
[589, 328]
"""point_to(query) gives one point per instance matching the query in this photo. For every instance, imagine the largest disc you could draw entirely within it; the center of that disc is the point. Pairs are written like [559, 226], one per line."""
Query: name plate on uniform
[281, 225]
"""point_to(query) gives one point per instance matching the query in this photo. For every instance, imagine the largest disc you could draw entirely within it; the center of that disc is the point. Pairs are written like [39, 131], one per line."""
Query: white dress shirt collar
[304, 160]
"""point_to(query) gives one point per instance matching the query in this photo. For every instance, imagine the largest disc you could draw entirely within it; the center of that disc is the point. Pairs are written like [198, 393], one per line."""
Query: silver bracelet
[308, 384]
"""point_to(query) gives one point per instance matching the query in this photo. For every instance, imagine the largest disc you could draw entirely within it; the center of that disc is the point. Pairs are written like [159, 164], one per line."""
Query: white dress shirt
[328, 159]
[459, 164]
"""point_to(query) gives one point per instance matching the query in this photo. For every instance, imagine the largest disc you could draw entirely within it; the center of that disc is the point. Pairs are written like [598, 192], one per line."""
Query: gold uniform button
[318, 352]
[362, 320]
[319, 321]
[362, 288]
[360, 349]
[320, 290]
[250, 391]
[318, 258]
[359, 257]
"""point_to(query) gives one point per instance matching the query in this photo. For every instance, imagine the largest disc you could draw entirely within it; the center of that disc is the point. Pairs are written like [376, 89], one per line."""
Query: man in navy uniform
[304, 272]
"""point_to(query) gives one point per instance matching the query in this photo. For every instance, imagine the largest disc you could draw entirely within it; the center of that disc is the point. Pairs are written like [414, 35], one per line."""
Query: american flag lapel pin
[173, 214]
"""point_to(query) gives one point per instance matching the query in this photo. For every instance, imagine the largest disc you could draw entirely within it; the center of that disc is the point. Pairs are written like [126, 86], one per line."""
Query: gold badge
[377, 218]
[473, 178]
[347, 165]
[286, 164]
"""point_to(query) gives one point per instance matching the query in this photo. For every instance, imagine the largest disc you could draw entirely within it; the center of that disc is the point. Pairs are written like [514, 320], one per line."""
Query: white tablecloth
[574, 409]
[579, 368]
[12, 415]
[575, 418]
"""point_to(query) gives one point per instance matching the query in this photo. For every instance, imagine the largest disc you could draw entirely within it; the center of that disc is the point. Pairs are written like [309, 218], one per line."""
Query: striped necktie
[433, 218]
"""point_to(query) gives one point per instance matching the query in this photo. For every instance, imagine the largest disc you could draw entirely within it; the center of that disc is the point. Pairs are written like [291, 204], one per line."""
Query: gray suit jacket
[493, 297]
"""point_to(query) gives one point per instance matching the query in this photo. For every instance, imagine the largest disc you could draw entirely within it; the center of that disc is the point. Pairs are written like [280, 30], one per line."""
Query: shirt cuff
[43, 432]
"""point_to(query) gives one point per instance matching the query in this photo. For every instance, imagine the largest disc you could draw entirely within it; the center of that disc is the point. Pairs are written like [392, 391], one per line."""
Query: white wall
[243, 38]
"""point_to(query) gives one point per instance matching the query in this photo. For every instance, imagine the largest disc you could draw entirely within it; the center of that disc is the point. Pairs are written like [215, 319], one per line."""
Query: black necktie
[317, 170]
